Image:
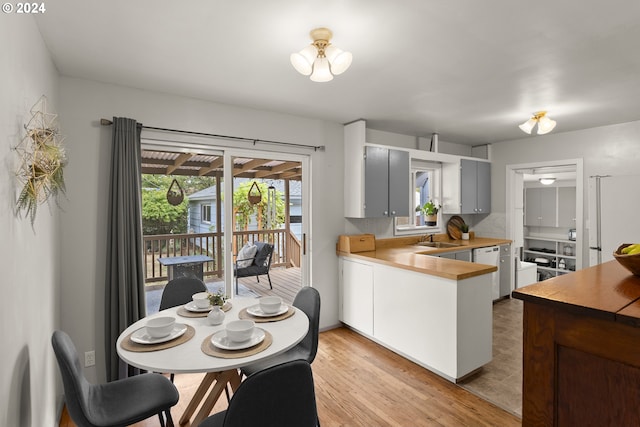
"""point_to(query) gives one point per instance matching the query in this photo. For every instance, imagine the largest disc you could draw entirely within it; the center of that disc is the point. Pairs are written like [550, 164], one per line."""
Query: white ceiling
[470, 70]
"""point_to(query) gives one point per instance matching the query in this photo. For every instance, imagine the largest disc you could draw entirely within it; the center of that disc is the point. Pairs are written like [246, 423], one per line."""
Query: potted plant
[430, 211]
[465, 231]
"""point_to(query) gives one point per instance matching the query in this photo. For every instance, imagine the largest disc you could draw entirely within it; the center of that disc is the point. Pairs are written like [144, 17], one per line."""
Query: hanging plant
[42, 161]
[254, 195]
[175, 196]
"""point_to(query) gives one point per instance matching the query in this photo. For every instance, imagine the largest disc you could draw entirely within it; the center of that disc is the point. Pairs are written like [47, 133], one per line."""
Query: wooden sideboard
[581, 349]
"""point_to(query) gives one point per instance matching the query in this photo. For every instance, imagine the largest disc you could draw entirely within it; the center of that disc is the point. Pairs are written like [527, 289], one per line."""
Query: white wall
[83, 223]
[29, 381]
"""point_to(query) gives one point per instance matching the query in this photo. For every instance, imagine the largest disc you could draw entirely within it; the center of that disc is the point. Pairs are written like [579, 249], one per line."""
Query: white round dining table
[188, 357]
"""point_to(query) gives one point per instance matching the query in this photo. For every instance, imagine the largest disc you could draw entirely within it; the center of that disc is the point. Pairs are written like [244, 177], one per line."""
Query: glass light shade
[303, 60]
[545, 125]
[321, 71]
[547, 181]
[528, 125]
[338, 59]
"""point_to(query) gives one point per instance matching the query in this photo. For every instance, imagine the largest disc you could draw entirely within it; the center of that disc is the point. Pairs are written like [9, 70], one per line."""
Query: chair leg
[172, 376]
[161, 419]
[226, 391]
[269, 277]
[169, 418]
[236, 285]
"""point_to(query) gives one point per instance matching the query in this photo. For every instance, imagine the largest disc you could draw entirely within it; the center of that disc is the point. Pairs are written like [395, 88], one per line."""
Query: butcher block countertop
[406, 253]
[607, 291]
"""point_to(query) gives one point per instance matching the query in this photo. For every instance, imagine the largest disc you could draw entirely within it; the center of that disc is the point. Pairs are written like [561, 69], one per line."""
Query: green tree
[244, 210]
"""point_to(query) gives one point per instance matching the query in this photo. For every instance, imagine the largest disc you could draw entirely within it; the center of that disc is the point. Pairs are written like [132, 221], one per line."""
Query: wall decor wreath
[42, 161]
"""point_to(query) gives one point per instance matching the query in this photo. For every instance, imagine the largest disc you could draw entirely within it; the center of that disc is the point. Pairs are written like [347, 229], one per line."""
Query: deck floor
[286, 283]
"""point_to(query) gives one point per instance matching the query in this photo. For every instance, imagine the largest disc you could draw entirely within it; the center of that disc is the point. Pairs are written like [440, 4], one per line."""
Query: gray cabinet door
[399, 183]
[376, 182]
[475, 187]
[505, 270]
[567, 207]
[532, 206]
[548, 210]
[484, 187]
[468, 186]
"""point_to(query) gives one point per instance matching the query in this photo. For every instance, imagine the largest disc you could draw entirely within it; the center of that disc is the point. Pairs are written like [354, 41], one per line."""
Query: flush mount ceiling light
[321, 60]
[547, 181]
[545, 124]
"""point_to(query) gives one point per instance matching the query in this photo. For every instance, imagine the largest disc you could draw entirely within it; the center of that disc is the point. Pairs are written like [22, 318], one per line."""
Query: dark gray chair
[118, 403]
[307, 300]
[280, 396]
[260, 265]
[179, 291]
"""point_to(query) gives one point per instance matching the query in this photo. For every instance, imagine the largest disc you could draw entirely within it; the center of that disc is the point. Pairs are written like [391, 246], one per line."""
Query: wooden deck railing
[286, 250]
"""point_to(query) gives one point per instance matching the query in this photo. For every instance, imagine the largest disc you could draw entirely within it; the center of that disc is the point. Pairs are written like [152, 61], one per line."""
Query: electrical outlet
[89, 358]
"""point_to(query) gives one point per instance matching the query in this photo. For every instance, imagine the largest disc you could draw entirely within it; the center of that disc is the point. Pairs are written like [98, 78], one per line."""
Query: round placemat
[186, 313]
[244, 314]
[211, 350]
[129, 345]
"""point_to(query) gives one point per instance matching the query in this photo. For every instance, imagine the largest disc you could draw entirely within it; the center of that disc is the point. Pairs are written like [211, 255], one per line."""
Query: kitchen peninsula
[434, 311]
[581, 359]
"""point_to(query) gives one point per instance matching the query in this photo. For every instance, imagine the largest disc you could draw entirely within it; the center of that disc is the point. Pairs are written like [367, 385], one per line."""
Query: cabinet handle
[393, 212]
[386, 213]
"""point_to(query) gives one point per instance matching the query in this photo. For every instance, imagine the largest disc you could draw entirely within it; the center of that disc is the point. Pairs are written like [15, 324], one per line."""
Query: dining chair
[279, 396]
[179, 291]
[118, 403]
[308, 300]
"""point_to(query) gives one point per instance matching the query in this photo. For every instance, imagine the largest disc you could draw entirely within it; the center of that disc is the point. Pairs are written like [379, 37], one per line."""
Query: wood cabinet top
[606, 291]
[405, 253]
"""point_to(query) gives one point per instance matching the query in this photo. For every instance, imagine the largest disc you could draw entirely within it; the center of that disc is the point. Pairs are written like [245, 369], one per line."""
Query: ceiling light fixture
[545, 124]
[321, 60]
[547, 181]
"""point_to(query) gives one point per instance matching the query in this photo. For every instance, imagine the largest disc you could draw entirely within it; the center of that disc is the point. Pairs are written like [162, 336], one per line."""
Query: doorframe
[514, 185]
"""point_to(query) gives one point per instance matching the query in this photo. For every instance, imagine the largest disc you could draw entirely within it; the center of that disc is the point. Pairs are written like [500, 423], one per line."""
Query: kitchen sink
[439, 244]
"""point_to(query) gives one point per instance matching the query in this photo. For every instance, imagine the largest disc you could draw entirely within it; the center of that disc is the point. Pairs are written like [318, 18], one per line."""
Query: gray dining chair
[279, 396]
[118, 403]
[179, 291]
[307, 300]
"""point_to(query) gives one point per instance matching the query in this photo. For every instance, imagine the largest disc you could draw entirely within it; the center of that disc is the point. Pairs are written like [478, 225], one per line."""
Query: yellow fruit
[630, 248]
[634, 251]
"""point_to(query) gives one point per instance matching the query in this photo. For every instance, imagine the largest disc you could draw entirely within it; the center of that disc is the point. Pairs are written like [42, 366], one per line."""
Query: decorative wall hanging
[42, 161]
[254, 195]
[175, 196]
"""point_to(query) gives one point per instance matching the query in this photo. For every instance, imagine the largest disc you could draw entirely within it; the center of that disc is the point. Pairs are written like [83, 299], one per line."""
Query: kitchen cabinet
[450, 321]
[459, 255]
[475, 187]
[540, 207]
[505, 270]
[386, 182]
[466, 187]
[356, 283]
[377, 179]
[567, 207]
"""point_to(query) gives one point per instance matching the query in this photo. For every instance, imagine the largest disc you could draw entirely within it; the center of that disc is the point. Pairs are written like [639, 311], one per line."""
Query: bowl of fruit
[628, 255]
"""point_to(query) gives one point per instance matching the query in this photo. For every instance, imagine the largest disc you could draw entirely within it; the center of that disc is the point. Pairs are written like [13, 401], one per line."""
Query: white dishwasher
[490, 255]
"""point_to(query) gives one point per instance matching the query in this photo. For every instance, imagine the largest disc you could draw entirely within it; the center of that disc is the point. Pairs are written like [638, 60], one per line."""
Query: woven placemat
[209, 349]
[244, 314]
[129, 345]
[186, 313]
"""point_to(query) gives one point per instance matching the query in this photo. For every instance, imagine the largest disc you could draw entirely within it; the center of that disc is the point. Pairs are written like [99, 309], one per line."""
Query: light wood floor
[359, 383]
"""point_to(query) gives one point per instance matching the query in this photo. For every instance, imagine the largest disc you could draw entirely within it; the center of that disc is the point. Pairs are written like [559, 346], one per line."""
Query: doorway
[207, 176]
[540, 226]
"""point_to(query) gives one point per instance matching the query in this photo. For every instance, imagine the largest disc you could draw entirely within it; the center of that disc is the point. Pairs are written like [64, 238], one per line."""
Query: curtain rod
[107, 122]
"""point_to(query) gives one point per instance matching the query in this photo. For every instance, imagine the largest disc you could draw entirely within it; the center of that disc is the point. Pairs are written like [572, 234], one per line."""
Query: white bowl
[240, 330]
[201, 299]
[270, 305]
[159, 327]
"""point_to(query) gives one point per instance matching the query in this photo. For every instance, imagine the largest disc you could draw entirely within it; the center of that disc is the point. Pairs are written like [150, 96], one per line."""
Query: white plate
[142, 337]
[255, 310]
[220, 340]
[191, 306]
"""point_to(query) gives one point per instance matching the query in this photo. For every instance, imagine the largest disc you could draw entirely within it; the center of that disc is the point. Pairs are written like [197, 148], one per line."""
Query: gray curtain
[124, 287]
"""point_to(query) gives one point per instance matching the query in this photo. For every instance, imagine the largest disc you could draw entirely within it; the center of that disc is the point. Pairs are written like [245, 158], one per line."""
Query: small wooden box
[357, 243]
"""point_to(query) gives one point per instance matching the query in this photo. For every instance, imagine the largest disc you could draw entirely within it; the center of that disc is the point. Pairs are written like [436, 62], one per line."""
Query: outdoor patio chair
[259, 265]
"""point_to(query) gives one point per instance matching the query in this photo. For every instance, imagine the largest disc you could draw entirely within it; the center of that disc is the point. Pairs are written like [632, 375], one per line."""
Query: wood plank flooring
[359, 383]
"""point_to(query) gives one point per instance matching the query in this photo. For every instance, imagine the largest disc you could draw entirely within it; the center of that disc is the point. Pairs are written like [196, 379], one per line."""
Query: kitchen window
[425, 186]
